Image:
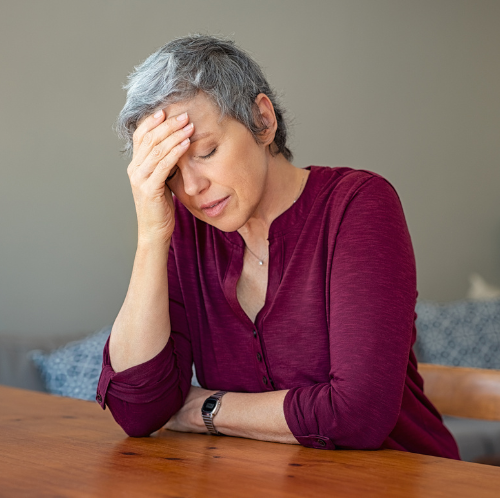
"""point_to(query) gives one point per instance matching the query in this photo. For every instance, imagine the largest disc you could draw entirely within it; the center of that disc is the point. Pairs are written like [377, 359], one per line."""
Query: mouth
[215, 208]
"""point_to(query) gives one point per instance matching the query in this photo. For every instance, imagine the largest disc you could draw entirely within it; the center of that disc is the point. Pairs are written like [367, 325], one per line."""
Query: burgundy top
[336, 329]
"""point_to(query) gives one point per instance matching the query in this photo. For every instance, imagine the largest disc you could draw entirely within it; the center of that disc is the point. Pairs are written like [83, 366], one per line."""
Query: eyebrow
[197, 137]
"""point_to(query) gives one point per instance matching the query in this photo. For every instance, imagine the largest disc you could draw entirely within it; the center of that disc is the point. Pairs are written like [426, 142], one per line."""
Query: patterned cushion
[73, 370]
[463, 333]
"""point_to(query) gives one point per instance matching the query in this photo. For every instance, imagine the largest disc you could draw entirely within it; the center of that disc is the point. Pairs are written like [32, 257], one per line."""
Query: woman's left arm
[250, 415]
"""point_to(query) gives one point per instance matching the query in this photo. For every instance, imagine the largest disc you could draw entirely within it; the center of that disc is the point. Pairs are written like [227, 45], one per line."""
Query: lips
[215, 208]
[212, 203]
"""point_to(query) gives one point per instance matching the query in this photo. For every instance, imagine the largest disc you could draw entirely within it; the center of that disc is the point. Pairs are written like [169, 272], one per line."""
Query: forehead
[199, 109]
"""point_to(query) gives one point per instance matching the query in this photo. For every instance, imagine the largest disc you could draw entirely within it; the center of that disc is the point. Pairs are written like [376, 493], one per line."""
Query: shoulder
[340, 185]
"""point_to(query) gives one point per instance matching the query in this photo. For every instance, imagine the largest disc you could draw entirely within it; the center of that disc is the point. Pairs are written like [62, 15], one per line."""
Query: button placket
[260, 359]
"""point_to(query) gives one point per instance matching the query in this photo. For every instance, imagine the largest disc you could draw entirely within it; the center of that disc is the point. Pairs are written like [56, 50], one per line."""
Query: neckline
[286, 221]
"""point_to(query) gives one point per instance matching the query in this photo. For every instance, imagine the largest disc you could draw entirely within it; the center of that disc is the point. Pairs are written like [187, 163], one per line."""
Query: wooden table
[53, 446]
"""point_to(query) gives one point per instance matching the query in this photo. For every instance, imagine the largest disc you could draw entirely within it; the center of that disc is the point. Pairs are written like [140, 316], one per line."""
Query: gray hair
[185, 66]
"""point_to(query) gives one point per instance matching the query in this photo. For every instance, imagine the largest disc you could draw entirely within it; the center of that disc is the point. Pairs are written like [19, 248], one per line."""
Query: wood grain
[53, 446]
[463, 392]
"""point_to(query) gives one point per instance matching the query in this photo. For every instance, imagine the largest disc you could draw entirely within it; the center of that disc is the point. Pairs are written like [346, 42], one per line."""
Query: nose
[194, 181]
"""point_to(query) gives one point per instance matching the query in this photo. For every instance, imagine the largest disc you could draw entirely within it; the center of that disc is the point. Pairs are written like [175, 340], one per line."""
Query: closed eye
[171, 176]
[206, 157]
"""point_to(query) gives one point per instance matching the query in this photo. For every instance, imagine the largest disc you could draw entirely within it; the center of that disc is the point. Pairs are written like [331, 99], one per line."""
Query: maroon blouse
[337, 327]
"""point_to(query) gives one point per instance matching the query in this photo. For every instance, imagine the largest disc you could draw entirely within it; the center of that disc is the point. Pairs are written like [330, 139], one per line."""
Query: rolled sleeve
[139, 384]
[104, 379]
[144, 397]
[315, 441]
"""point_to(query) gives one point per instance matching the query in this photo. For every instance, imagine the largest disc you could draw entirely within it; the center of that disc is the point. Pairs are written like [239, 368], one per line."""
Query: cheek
[246, 162]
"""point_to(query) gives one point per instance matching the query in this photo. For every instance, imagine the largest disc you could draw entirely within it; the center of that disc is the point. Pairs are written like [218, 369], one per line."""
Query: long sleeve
[143, 398]
[372, 294]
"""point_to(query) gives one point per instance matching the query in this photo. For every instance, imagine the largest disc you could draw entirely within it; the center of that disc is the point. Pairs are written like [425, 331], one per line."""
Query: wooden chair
[463, 392]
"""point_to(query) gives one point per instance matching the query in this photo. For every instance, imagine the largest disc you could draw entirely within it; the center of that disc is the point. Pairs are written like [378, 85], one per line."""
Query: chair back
[462, 392]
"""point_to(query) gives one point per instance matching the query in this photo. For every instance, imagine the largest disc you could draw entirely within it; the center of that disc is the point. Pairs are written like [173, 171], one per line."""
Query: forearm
[142, 327]
[255, 416]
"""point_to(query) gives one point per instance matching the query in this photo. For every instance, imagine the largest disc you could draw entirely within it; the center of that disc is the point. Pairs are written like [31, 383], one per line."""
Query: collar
[294, 215]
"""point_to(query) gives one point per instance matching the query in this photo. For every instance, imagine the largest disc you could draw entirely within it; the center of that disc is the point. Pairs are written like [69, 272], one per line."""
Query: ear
[267, 117]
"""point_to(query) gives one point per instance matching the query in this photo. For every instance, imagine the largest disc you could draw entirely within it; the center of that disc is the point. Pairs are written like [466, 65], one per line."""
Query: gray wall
[409, 89]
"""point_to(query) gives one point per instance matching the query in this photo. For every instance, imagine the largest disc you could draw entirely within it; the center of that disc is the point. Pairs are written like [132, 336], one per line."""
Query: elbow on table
[340, 419]
[356, 438]
[371, 440]
[368, 434]
[145, 428]
[139, 431]
[141, 420]
[357, 427]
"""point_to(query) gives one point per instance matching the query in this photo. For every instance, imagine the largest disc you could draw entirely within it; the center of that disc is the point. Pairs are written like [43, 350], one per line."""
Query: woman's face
[224, 166]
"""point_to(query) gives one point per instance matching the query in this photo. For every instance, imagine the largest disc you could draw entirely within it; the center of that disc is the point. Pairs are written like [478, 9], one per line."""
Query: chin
[226, 223]
[225, 226]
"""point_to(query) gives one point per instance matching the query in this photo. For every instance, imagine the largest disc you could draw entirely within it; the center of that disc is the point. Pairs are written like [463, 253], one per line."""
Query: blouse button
[259, 357]
[99, 398]
[320, 442]
[264, 379]
[255, 333]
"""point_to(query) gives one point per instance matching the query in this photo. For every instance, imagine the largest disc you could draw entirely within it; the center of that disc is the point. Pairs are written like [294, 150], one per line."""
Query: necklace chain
[261, 261]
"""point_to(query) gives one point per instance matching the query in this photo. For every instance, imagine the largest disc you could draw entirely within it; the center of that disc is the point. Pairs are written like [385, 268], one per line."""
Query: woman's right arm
[142, 327]
[140, 336]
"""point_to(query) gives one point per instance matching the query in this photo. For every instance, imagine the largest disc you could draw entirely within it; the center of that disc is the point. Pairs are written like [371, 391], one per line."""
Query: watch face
[209, 404]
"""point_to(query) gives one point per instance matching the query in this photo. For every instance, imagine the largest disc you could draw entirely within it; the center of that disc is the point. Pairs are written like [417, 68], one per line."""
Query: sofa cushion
[462, 333]
[16, 367]
[73, 370]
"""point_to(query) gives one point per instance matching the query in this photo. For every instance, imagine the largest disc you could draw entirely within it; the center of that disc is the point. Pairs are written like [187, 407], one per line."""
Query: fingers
[162, 170]
[165, 154]
[154, 141]
[145, 126]
[153, 130]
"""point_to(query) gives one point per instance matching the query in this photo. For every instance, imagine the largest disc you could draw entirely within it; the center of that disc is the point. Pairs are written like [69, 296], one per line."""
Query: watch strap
[208, 417]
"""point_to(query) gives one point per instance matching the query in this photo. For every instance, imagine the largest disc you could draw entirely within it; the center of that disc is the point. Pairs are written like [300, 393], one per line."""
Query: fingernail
[184, 142]
[158, 114]
[182, 117]
[188, 127]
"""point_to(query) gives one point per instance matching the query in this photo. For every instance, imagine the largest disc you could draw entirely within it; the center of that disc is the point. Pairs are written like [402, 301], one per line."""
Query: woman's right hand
[158, 145]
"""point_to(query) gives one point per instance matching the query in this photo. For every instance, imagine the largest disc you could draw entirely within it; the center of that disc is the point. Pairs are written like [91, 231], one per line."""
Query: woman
[291, 290]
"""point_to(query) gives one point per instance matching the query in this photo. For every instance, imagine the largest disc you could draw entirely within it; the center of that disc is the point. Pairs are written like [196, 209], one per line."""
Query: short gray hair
[185, 66]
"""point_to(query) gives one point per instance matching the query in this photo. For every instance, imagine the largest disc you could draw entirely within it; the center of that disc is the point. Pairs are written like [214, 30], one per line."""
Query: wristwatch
[210, 408]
